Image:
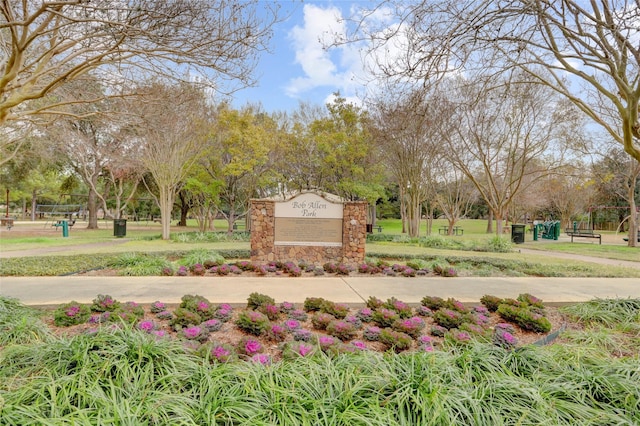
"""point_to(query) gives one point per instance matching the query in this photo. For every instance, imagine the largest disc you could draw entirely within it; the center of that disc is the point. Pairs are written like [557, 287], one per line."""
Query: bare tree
[407, 134]
[569, 193]
[173, 128]
[454, 195]
[504, 139]
[587, 51]
[44, 45]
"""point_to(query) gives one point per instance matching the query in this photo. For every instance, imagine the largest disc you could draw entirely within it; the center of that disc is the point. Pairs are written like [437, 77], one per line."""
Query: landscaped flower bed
[275, 330]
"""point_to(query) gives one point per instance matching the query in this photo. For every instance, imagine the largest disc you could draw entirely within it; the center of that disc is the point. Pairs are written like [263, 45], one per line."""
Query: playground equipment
[551, 230]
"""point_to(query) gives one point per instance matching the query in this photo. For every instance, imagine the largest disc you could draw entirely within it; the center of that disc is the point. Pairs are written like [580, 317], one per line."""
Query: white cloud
[336, 69]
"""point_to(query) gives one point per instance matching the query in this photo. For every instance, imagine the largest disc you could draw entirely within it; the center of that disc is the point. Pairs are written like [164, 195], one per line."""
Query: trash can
[369, 228]
[535, 232]
[517, 233]
[119, 227]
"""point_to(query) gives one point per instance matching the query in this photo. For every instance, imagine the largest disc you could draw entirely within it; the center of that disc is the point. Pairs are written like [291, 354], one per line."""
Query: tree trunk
[34, 205]
[92, 207]
[633, 217]
[490, 222]
[166, 206]
[184, 209]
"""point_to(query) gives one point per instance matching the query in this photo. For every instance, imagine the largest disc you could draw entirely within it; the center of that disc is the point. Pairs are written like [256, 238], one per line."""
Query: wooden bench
[7, 221]
[583, 233]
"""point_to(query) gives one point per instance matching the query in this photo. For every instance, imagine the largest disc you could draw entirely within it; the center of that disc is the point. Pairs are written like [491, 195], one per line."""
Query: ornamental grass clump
[252, 322]
[321, 320]
[104, 303]
[338, 310]
[448, 318]
[72, 313]
[411, 326]
[395, 340]
[343, 330]
[403, 309]
[524, 318]
[384, 317]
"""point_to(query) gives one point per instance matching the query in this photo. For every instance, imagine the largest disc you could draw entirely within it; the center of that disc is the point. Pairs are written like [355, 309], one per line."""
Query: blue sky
[299, 69]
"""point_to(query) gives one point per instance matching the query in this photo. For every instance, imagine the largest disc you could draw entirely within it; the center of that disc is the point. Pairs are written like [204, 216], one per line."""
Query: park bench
[627, 238]
[583, 233]
[7, 221]
[444, 230]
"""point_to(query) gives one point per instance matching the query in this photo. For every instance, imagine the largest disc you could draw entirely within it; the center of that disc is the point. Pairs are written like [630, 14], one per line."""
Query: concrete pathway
[351, 290]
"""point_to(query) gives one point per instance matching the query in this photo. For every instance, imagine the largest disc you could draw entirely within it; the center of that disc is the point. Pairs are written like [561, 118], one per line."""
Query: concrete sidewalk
[351, 290]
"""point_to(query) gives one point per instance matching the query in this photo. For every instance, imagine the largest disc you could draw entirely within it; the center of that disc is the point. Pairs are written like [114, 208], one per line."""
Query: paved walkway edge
[351, 290]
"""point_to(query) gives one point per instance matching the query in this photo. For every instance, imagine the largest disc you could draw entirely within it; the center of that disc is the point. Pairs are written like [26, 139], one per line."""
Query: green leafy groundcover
[122, 376]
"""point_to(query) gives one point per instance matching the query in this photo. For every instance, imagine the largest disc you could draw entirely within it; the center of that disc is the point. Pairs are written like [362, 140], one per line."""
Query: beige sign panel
[293, 231]
[309, 205]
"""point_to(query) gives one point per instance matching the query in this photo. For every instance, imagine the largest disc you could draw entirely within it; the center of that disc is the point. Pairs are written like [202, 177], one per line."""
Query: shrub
[256, 300]
[302, 335]
[408, 272]
[372, 333]
[276, 332]
[271, 311]
[223, 269]
[195, 332]
[455, 305]
[338, 310]
[321, 320]
[249, 346]
[252, 322]
[298, 349]
[374, 303]
[384, 317]
[245, 265]
[217, 352]
[164, 315]
[411, 326]
[343, 330]
[287, 307]
[313, 304]
[424, 311]
[131, 308]
[104, 303]
[298, 314]
[530, 300]
[449, 272]
[402, 308]
[437, 330]
[525, 318]
[167, 271]
[198, 269]
[418, 264]
[330, 267]
[184, 318]
[491, 302]
[395, 340]
[448, 318]
[432, 302]
[199, 305]
[182, 271]
[212, 325]
[499, 245]
[223, 312]
[157, 307]
[365, 314]
[71, 313]
[343, 269]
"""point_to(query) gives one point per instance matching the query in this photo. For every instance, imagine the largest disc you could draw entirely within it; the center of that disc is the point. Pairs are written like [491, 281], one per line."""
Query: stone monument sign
[309, 226]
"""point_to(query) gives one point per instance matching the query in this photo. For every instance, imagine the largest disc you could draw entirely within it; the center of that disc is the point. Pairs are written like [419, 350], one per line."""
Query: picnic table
[457, 230]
